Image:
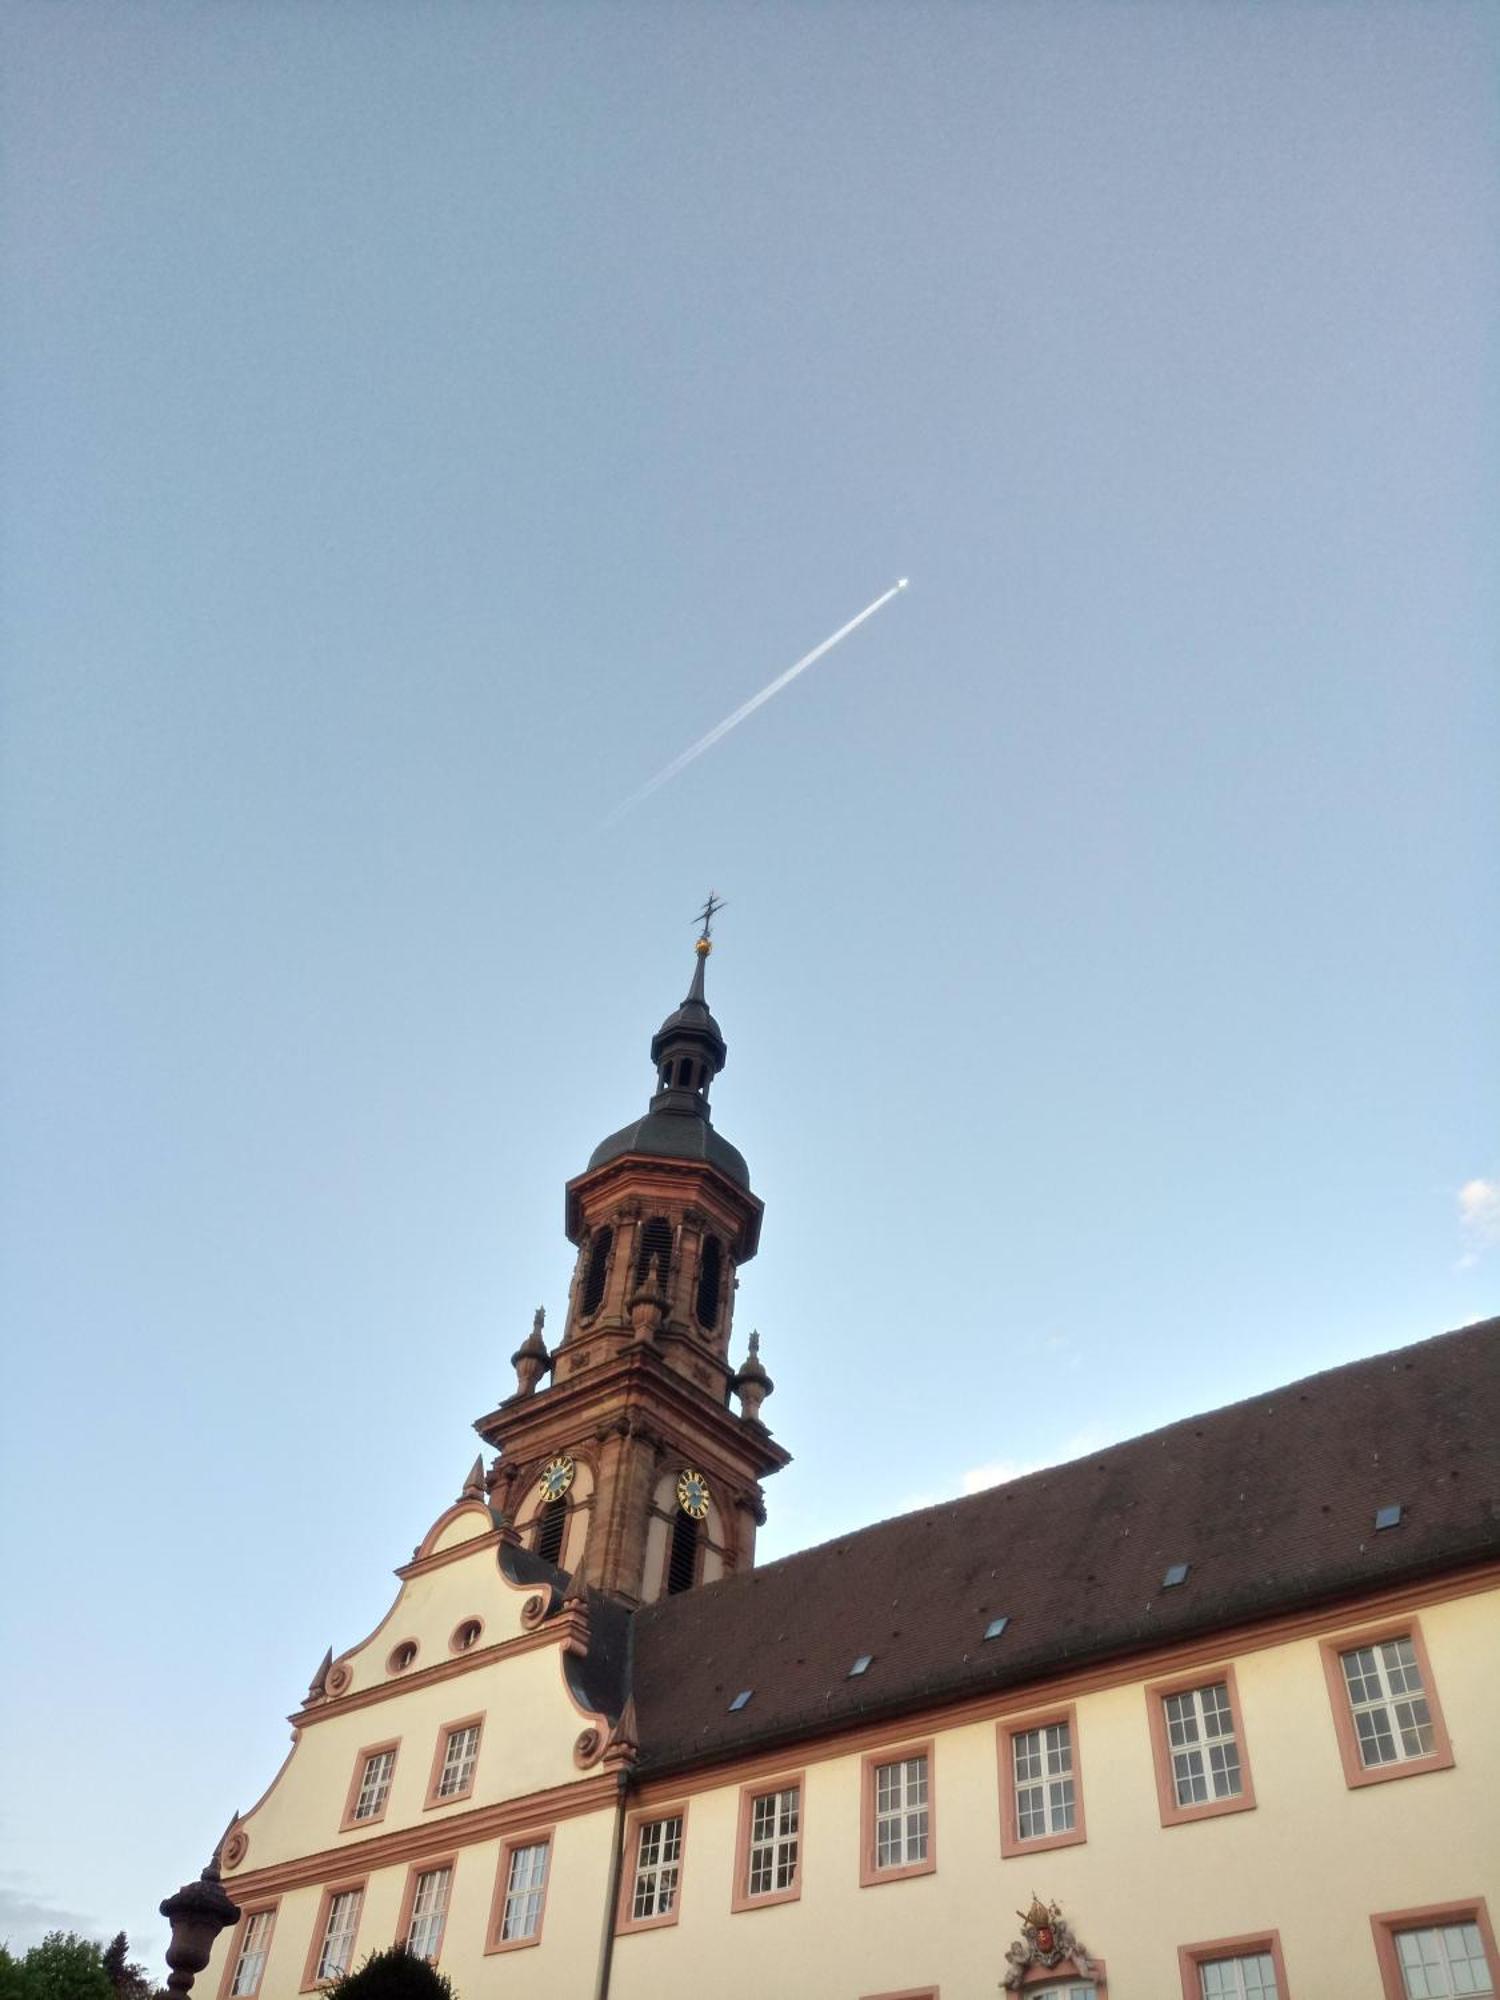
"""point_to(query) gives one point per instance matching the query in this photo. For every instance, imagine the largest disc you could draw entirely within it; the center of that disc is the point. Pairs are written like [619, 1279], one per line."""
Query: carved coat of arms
[1047, 1940]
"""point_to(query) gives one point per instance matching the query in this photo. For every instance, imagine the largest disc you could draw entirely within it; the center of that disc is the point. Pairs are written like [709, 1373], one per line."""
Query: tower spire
[636, 1432]
[704, 946]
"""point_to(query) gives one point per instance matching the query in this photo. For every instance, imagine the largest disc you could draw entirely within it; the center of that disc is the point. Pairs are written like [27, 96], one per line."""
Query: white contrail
[722, 729]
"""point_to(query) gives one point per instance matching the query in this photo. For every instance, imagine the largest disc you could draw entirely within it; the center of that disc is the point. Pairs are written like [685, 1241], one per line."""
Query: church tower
[632, 1470]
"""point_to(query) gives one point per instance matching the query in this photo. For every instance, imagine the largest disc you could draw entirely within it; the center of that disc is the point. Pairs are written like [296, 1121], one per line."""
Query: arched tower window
[710, 1283]
[597, 1271]
[655, 1249]
[552, 1522]
[682, 1563]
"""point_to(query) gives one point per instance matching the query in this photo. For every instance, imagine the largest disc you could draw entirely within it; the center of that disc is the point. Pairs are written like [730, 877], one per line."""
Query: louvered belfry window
[682, 1565]
[654, 1257]
[597, 1271]
[710, 1283]
[549, 1535]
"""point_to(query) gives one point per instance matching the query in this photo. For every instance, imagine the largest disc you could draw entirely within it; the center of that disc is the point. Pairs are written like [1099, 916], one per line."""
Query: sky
[420, 424]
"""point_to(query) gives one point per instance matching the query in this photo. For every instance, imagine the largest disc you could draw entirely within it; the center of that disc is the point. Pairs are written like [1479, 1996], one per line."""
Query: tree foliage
[12, 1977]
[129, 1980]
[393, 1974]
[63, 1966]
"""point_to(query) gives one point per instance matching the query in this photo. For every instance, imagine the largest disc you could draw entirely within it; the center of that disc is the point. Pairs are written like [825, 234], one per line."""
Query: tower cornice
[643, 1179]
[635, 1384]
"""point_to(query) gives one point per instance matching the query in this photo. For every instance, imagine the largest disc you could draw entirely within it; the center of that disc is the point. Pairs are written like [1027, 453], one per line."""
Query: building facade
[1209, 1713]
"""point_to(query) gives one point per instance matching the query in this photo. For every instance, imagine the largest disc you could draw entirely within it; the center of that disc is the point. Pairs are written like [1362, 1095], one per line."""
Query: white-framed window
[525, 1884]
[429, 1912]
[1069, 1989]
[658, 1865]
[1392, 1721]
[1042, 1764]
[339, 1928]
[255, 1942]
[1205, 1755]
[460, 1754]
[374, 1785]
[901, 1813]
[1251, 1976]
[774, 1821]
[1448, 1959]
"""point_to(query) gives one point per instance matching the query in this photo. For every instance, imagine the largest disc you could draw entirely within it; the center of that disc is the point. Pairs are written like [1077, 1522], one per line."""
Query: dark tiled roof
[673, 1135]
[1271, 1502]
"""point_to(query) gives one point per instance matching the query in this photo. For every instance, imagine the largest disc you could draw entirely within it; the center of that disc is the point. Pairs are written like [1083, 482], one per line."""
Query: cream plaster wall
[564, 1962]
[531, 1720]
[1313, 1860]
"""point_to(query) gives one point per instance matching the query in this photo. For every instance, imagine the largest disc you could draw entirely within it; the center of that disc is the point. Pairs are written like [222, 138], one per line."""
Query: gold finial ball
[703, 947]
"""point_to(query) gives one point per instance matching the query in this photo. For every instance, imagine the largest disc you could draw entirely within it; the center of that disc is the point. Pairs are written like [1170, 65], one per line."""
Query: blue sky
[422, 423]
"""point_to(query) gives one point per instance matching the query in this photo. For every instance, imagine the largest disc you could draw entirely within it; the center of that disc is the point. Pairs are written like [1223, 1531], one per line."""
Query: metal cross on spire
[706, 916]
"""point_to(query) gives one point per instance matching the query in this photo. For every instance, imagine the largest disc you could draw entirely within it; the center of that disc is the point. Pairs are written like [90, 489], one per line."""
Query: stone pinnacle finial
[318, 1685]
[473, 1486]
[752, 1384]
[531, 1359]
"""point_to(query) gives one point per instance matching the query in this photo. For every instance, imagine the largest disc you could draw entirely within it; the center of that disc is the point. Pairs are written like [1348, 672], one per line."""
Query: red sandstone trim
[415, 1677]
[740, 1897]
[458, 1644]
[362, 1757]
[435, 1836]
[1173, 1814]
[445, 1520]
[906, 1993]
[237, 1939]
[625, 1923]
[1038, 1975]
[539, 1836]
[310, 1981]
[1356, 1773]
[1389, 1923]
[870, 1763]
[1190, 1957]
[445, 1732]
[426, 1866]
[1011, 1842]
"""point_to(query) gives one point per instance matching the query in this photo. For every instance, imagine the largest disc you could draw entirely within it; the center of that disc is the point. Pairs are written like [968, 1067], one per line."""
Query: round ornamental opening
[692, 1493]
[557, 1478]
[403, 1657]
[466, 1635]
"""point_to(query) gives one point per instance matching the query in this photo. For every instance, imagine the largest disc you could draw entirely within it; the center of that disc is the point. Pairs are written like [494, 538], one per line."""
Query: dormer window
[710, 1283]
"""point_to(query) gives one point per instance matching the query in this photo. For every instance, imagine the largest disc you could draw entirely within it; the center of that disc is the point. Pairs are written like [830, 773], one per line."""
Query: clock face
[558, 1477]
[692, 1493]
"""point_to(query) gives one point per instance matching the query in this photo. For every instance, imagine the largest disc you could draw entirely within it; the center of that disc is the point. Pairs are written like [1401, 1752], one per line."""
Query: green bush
[392, 1974]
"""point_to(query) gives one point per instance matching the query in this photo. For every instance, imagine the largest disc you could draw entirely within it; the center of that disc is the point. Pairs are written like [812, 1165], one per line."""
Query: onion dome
[688, 1050]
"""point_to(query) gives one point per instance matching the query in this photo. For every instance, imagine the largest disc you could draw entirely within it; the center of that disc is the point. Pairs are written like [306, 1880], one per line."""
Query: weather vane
[706, 917]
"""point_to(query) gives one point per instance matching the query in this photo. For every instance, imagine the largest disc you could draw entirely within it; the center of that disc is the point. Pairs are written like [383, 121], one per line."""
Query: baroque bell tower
[631, 1470]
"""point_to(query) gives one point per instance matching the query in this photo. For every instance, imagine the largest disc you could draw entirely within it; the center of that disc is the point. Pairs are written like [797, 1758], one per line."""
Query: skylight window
[995, 1627]
[741, 1699]
[861, 1666]
[1388, 1517]
[1175, 1575]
